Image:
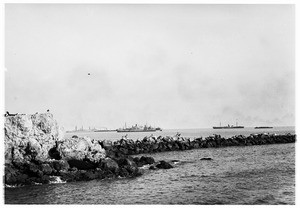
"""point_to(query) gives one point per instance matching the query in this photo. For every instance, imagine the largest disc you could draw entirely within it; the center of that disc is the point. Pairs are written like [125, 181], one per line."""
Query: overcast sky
[173, 66]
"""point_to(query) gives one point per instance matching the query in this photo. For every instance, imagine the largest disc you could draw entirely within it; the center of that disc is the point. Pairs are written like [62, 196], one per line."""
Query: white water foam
[13, 186]
[56, 179]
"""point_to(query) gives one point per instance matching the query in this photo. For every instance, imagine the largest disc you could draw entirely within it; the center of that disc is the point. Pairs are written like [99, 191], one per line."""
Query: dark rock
[138, 150]
[110, 165]
[131, 152]
[125, 161]
[45, 179]
[68, 176]
[175, 146]
[60, 165]
[169, 146]
[129, 164]
[147, 160]
[54, 153]
[155, 146]
[206, 158]
[33, 170]
[81, 164]
[138, 162]
[195, 144]
[136, 159]
[124, 150]
[93, 174]
[152, 167]
[106, 144]
[164, 165]
[46, 169]
[14, 176]
[123, 172]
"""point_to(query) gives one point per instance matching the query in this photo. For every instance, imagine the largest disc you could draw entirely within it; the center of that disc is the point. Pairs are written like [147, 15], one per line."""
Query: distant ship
[228, 127]
[158, 129]
[104, 130]
[137, 128]
[263, 127]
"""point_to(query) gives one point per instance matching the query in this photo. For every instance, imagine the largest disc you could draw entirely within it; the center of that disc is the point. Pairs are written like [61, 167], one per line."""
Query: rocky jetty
[161, 144]
[36, 152]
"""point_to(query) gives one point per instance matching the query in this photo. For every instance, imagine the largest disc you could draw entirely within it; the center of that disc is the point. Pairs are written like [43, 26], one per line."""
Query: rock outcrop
[164, 165]
[80, 149]
[30, 137]
[36, 152]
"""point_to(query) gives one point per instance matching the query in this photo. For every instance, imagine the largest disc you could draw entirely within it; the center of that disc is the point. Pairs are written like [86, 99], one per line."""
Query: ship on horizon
[137, 128]
[229, 126]
[263, 127]
[81, 130]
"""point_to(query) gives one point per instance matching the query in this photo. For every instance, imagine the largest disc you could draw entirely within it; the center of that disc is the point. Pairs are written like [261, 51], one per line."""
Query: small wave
[56, 179]
[190, 176]
[186, 162]
[145, 166]
[289, 193]
[268, 199]
[175, 161]
[13, 186]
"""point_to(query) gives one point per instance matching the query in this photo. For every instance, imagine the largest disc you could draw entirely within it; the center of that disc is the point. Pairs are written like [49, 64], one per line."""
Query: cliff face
[38, 137]
[30, 137]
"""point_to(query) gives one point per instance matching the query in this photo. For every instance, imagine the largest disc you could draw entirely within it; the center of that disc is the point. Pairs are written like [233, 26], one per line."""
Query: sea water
[189, 133]
[236, 175]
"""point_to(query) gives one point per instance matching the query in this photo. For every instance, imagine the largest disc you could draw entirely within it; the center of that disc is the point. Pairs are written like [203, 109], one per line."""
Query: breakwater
[161, 144]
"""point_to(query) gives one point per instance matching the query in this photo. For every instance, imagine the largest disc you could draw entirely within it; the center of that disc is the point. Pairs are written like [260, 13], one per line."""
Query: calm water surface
[236, 175]
[190, 133]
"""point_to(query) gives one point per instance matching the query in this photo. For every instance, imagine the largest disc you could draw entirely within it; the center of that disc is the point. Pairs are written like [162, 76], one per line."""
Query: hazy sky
[173, 66]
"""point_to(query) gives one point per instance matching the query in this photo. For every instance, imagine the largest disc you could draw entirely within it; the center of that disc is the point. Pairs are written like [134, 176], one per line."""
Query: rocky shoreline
[37, 153]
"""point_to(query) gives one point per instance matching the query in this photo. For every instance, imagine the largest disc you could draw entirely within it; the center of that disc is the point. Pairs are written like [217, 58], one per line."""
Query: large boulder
[30, 137]
[143, 161]
[129, 164]
[81, 164]
[60, 165]
[13, 175]
[106, 144]
[109, 164]
[164, 165]
[80, 149]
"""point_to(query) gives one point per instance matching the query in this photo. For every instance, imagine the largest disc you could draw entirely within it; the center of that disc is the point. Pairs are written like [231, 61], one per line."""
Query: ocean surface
[236, 175]
[190, 133]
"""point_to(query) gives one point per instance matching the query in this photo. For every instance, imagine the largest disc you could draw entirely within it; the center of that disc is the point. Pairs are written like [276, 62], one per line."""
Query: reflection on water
[236, 175]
